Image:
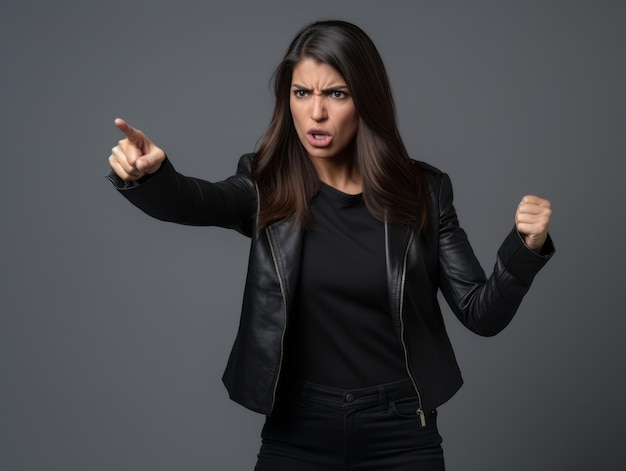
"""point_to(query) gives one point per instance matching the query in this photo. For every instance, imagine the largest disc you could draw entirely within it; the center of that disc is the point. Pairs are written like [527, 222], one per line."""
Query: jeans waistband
[305, 391]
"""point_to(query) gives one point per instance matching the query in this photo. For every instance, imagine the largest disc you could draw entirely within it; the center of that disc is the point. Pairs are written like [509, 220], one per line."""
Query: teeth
[318, 136]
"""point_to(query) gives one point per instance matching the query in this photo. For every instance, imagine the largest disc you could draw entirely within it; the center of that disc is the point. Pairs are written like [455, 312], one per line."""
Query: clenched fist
[532, 219]
[135, 155]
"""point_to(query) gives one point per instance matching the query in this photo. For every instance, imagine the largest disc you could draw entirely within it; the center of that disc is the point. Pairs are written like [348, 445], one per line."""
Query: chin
[325, 153]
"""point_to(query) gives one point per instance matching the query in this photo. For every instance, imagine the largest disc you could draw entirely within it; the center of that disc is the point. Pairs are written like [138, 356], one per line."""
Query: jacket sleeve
[484, 305]
[169, 196]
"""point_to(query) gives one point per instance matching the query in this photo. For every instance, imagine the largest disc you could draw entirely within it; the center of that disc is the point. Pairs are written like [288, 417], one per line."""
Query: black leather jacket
[417, 266]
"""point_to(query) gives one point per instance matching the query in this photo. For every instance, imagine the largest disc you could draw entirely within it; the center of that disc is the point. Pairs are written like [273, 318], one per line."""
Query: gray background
[115, 328]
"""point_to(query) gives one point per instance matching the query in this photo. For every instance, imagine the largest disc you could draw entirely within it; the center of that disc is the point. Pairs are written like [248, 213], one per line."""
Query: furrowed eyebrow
[333, 89]
[325, 90]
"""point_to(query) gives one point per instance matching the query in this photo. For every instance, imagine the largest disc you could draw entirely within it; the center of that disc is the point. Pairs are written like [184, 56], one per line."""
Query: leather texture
[418, 265]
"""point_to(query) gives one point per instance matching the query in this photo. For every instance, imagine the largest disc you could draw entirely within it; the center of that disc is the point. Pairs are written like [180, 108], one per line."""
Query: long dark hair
[394, 188]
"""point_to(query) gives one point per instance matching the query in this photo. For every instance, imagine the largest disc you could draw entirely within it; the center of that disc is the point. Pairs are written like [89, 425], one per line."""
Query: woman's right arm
[142, 173]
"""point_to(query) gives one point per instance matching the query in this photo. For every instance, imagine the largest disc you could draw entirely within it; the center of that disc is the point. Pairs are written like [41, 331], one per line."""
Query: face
[323, 111]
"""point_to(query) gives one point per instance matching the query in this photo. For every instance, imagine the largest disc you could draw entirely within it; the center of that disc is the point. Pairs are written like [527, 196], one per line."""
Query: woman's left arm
[484, 304]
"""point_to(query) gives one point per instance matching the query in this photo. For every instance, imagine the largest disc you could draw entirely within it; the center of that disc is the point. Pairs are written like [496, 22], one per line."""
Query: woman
[341, 342]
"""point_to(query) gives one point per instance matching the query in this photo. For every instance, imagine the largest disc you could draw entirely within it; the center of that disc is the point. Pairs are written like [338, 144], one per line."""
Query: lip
[319, 137]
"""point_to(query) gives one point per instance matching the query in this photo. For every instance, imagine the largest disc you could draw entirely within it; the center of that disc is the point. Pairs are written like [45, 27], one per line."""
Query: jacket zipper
[282, 337]
[420, 410]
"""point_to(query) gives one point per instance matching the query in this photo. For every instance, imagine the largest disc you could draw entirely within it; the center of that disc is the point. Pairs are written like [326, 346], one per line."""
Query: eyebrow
[325, 90]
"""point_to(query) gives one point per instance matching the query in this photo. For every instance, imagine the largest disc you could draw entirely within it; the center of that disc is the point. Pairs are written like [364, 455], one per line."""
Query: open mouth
[319, 138]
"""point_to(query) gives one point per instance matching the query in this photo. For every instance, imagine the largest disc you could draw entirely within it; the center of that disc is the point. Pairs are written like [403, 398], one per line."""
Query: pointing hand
[135, 155]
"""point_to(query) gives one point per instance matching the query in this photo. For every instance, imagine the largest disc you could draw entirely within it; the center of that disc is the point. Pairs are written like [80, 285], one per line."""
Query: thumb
[150, 162]
[144, 163]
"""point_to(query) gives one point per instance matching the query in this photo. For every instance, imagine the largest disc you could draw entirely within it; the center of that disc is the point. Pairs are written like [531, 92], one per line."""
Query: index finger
[130, 132]
[532, 199]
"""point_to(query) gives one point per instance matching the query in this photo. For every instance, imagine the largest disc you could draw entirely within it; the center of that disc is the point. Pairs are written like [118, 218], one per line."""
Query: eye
[338, 94]
[299, 93]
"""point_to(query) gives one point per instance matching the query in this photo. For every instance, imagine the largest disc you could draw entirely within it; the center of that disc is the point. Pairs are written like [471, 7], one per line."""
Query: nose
[318, 108]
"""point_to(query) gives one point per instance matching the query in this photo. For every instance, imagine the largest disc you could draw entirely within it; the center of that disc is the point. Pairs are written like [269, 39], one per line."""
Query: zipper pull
[420, 412]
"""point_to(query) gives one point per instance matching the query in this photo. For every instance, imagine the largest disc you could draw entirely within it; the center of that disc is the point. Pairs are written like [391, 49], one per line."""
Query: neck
[339, 171]
[342, 176]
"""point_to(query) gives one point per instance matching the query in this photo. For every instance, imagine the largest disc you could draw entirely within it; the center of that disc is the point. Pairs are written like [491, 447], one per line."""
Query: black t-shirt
[340, 332]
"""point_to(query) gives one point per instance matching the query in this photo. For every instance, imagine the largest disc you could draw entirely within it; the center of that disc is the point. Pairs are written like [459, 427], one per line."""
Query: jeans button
[349, 397]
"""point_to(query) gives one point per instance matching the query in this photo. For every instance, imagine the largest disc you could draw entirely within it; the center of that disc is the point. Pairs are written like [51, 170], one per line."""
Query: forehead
[311, 72]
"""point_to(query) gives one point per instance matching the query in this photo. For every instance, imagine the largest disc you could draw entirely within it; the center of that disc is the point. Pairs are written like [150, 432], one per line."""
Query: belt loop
[382, 396]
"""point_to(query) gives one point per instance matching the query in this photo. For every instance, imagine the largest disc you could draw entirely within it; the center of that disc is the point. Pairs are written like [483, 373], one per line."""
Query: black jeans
[318, 428]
